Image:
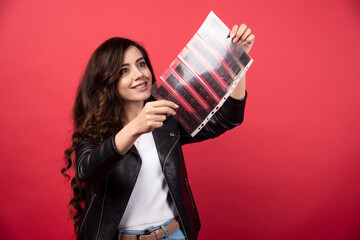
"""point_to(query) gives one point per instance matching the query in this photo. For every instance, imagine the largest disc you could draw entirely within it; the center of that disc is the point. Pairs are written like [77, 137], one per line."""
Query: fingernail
[176, 106]
[232, 35]
[235, 39]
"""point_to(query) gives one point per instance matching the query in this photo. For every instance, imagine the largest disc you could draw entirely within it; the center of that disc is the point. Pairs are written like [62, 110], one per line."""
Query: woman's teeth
[140, 86]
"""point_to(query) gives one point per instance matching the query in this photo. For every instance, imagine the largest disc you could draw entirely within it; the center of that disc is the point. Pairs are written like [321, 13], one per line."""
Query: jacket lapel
[165, 137]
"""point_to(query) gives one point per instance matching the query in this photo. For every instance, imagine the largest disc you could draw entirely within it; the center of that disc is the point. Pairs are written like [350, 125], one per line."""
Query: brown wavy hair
[97, 110]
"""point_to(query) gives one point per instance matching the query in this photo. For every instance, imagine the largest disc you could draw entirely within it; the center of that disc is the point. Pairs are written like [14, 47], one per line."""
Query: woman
[130, 178]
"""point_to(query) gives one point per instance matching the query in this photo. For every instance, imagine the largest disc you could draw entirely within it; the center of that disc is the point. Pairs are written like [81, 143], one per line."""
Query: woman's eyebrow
[127, 64]
[139, 59]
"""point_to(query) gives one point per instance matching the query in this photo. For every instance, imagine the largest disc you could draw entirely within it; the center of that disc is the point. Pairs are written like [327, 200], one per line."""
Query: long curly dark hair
[97, 110]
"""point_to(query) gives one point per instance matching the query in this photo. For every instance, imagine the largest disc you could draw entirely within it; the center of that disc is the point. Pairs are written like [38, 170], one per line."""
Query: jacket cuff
[237, 101]
[113, 145]
[233, 110]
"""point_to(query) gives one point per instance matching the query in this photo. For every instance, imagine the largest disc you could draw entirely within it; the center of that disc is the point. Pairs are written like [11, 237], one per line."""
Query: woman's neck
[130, 111]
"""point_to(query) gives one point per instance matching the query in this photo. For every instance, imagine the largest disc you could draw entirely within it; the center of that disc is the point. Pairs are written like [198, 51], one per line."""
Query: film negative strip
[203, 75]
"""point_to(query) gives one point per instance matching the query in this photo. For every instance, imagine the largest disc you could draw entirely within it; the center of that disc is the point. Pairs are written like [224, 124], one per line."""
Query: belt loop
[164, 229]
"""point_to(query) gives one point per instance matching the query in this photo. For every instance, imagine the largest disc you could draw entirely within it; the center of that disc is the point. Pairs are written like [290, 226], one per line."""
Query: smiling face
[135, 81]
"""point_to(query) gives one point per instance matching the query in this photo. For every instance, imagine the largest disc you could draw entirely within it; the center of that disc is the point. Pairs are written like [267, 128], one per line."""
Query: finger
[159, 118]
[157, 124]
[250, 39]
[164, 111]
[151, 125]
[164, 103]
[239, 32]
[245, 34]
[233, 31]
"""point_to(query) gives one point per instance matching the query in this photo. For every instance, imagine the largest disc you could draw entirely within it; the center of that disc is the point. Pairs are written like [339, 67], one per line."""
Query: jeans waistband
[146, 230]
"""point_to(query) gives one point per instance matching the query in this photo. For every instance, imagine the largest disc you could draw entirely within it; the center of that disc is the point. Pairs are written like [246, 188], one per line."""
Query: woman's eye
[142, 64]
[123, 71]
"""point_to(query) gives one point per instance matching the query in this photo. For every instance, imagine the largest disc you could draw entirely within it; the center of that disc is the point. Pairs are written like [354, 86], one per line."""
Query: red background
[291, 171]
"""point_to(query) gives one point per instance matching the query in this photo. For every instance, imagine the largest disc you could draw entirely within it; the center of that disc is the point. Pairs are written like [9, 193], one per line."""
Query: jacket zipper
[88, 210]
[172, 197]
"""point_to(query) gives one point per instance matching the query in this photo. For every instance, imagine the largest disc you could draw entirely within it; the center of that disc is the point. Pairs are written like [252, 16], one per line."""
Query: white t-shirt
[150, 203]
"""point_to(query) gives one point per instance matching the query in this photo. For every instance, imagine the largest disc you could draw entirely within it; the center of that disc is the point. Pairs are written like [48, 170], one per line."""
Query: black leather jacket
[110, 177]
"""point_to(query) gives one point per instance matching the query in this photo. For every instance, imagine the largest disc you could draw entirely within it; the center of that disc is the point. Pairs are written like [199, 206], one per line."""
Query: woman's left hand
[242, 35]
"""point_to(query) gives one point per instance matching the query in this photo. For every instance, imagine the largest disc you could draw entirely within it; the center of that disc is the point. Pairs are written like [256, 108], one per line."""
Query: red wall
[291, 171]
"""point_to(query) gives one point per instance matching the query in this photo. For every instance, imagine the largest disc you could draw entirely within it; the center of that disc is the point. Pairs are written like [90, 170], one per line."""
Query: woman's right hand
[153, 115]
[150, 117]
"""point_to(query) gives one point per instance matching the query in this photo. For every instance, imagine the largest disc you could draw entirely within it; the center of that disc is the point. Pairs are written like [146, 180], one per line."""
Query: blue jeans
[177, 235]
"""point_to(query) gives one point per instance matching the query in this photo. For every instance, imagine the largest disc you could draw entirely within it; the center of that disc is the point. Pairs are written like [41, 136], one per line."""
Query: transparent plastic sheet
[199, 79]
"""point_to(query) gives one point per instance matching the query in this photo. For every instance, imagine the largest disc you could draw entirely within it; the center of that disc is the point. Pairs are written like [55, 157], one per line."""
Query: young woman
[130, 178]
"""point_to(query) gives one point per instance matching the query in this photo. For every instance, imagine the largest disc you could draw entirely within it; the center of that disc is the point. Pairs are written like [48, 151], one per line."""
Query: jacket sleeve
[94, 162]
[230, 115]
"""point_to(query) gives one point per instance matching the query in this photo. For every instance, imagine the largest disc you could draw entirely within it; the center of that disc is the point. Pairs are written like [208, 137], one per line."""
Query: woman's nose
[137, 73]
